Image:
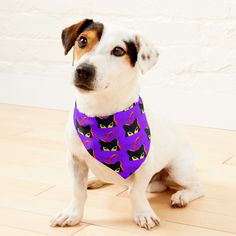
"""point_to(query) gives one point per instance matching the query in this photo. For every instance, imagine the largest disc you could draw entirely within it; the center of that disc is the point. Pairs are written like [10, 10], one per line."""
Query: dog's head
[106, 57]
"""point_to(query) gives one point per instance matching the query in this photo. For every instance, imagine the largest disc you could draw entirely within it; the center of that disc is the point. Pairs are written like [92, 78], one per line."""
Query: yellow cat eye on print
[117, 170]
[134, 158]
[142, 155]
[129, 133]
[136, 130]
[111, 125]
[114, 148]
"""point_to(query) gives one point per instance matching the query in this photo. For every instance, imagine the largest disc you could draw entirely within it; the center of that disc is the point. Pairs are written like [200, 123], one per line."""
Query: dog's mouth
[84, 87]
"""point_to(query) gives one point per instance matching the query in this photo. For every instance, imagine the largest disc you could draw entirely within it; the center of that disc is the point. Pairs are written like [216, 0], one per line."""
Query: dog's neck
[108, 101]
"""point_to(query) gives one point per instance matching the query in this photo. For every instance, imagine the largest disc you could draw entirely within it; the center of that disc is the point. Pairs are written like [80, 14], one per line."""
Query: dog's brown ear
[70, 34]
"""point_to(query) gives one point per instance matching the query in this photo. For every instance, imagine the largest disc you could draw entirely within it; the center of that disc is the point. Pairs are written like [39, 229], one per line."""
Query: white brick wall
[196, 40]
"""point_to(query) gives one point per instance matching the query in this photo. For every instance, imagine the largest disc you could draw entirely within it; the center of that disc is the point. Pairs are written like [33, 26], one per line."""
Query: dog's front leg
[74, 212]
[143, 214]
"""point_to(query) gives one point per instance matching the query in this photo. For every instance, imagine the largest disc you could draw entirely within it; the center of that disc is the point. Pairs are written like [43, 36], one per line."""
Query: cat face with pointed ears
[84, 130]
[135, 155]
[117, 166]
[131, 129]
[112, 146]
[108, 122]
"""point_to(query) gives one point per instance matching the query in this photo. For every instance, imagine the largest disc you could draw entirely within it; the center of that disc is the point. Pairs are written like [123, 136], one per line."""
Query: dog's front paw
[146, 219]
[68, 217]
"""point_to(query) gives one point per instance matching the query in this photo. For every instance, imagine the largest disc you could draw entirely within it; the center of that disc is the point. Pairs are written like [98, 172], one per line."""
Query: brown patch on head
[148, 57]
[131, 53]
[91, 30]
[137, 42]
[92, 40]
[70, 33]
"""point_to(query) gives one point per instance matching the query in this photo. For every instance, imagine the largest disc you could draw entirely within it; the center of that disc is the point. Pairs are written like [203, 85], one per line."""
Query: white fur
[146, 50]
[116, 87]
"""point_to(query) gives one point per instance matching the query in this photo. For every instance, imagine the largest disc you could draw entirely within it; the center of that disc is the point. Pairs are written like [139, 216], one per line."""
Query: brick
[201, 9]
[208, 9]
[32, 50]
[47, 7]
[178, 59]
[5, 66]
[232, 8]
[215, 82]
[27, 68]
[170, 33]
[30, 26]
[213, 60]
[13, 5]
[221, 34]
[196, 39]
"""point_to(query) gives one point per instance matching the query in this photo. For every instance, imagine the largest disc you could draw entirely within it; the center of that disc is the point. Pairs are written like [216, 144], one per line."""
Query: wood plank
[122, 220]
[166, 228]
[223, 214]
[207, 213]
[215, 215]
[211, 145]
[231, 161]
[64, 193]
[29, 171]
[49, 175]
[35, 204]
[9, 231]
[219, 175]
[13, 186]
[33, 222]
[32, 115]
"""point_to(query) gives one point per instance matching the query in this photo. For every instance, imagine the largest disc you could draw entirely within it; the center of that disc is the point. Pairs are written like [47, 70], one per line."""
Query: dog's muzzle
[84, 76]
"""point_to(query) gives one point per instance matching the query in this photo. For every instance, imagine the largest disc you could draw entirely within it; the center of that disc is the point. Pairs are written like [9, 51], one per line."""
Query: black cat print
[120, 141]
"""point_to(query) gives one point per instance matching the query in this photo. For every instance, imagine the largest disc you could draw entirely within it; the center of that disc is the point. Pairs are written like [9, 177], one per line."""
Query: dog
[107, 62]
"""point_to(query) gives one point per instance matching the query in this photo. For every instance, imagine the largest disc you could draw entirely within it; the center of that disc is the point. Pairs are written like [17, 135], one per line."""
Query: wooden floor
[35, 184]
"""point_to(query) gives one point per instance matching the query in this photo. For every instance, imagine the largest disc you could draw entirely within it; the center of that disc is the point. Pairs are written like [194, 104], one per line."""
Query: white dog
[107, 61]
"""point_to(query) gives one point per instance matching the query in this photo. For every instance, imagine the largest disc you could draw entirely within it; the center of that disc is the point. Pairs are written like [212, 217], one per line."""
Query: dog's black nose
[85, 73]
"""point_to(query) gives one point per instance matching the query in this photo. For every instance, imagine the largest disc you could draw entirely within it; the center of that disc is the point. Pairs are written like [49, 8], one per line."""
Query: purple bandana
[120, 141]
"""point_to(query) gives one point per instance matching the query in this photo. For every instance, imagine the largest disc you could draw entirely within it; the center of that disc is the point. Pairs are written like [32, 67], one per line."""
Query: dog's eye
[82, 42]
[118, 52]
